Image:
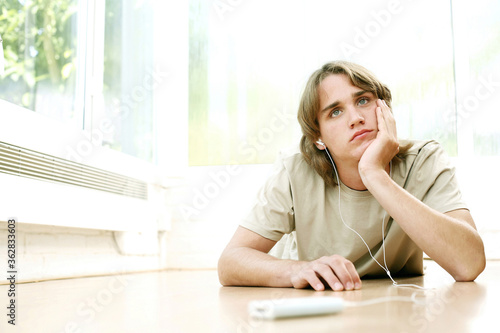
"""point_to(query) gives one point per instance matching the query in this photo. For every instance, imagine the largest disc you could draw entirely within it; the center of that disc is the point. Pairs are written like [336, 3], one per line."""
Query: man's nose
[355, 117]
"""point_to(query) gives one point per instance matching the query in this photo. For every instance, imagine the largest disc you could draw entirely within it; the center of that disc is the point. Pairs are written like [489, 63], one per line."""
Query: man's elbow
[470, 272]
[222, 271]
[223, 279]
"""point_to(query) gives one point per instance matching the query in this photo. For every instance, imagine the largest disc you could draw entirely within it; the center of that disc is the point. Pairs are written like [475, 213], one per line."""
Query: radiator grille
[31, 164]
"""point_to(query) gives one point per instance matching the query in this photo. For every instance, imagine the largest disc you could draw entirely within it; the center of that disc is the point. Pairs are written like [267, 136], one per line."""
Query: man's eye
[363, 101]
[336, 113]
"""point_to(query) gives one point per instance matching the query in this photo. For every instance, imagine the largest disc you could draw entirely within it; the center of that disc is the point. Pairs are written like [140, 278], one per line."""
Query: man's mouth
[360, 134]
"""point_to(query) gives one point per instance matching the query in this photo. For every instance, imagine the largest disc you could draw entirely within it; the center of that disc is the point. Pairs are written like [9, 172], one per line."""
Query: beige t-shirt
[296, 199]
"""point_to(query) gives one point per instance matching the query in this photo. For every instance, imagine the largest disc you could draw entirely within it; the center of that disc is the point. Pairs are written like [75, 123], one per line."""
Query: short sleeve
[272, 214]
[433, 179]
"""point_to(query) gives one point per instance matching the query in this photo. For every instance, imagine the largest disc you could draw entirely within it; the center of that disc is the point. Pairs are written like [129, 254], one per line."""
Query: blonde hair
[309, 108]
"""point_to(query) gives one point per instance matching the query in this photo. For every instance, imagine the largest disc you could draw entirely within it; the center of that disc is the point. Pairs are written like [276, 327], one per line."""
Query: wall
[48, 252]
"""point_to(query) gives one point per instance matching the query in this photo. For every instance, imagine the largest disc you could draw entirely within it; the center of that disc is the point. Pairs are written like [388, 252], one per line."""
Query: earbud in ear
[319, 142]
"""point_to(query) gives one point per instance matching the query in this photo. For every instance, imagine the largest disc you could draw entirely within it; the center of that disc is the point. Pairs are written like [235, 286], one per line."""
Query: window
[128, 78]
[85, 63]
[477, 32]
[40, 49]
[247, 74]
[242, 88]
[245, 82]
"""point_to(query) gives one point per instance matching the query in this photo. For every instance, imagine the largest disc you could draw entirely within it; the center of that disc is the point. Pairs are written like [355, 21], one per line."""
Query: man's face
[347, 118]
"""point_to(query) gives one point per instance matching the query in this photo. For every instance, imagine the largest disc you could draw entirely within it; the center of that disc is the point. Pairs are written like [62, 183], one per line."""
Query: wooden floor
[194, 301]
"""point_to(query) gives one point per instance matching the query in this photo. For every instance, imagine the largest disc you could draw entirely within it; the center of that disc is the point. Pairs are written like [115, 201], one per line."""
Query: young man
[385, 198]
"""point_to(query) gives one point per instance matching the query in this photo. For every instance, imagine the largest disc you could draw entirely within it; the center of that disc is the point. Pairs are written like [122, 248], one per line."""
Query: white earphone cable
[411, 299]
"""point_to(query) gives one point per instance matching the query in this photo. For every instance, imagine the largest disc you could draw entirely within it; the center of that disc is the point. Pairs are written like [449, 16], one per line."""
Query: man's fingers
[327, 274]
[354, 275]
[308, 277]
[388, 118]
[333, 271]
[343, 272]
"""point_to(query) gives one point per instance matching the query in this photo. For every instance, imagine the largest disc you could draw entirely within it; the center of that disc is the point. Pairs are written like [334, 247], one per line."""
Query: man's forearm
[242, 266]
[451, 242]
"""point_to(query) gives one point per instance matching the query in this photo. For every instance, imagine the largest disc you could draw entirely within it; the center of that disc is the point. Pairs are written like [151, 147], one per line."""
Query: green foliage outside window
[39, 40]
